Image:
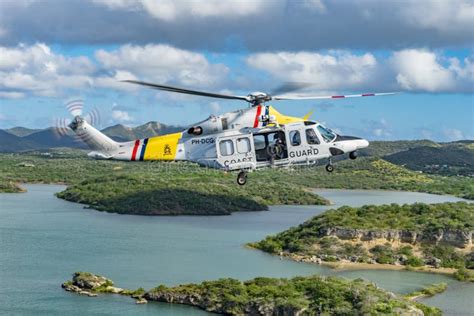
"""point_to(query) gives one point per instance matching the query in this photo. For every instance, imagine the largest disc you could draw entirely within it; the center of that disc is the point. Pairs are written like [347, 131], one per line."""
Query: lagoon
[44, 239]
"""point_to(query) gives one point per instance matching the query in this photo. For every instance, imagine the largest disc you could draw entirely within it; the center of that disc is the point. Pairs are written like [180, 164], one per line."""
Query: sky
[54, 51]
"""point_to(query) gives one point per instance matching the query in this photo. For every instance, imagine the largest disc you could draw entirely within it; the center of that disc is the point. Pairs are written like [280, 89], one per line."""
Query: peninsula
[267, 296]
[435, 238]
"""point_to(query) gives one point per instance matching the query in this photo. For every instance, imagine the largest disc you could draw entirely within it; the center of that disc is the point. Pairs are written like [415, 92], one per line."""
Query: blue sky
[424, 49]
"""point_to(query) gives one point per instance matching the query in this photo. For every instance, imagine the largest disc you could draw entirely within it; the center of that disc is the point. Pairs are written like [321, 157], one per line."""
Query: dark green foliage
[151, 188]
[450, 258]
[429, 291]
[312, 295]
[424, 219]
[447, 160]
[463, 274]
[383, 254]
[414, 261]
[419, 216]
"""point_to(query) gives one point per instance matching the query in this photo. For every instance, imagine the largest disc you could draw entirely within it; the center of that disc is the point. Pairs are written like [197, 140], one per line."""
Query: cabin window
[259, 141]
[243, 145]
[295, 138]
[311, 137]
[226, 147]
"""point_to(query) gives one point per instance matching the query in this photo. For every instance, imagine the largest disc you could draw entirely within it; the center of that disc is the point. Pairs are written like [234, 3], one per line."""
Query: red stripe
[135, 148]
[259, 110]
[338, 96]
[368, 95]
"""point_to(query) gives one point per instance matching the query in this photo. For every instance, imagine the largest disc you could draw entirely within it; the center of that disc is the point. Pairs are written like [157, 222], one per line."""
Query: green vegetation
[412, 235]
[150, 188]
[7, 186]
[312, 295]
[419, 216]
[159, 188]
[463, 274]
[428, 291]
[449, 160]
[309, 295]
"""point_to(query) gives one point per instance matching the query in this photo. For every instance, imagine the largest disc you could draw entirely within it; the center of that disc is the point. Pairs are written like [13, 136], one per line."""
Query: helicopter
[243, 140]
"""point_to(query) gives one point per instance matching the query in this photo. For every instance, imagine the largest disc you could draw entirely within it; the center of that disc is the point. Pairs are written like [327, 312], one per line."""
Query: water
[44, 239]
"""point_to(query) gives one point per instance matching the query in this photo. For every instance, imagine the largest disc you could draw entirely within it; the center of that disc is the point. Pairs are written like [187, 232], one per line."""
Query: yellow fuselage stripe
[162, 147]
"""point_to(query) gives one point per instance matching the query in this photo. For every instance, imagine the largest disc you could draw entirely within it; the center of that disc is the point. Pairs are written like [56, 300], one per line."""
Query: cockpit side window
[311, 137]
[326, 134]
[295, 138]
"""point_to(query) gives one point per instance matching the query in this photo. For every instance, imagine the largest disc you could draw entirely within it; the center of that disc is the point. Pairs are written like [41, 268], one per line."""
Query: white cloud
[420, 70]
[169, 10]
[38, 70]
[417, 70]
[11, 95]
[163, 63]
[446, 17]
[121, 116]
[315, 5]
[336, 70]
[453, 134]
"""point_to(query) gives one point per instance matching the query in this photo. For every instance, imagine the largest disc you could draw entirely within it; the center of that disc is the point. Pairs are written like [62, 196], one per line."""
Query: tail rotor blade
[93, 117]
[75, 107]
[61, 127]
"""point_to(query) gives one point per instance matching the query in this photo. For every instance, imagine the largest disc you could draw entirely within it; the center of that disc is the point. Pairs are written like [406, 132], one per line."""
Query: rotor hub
[256, 98]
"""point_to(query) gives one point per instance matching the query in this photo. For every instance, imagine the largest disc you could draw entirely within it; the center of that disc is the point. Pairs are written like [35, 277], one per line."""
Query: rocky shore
[267, 296]
[86, 283]
[455, 237]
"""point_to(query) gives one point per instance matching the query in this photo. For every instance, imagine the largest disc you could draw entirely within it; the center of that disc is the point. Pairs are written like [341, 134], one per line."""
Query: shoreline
[353, 266]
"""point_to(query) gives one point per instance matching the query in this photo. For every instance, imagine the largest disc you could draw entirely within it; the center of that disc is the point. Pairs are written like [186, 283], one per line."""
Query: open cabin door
[236, 152]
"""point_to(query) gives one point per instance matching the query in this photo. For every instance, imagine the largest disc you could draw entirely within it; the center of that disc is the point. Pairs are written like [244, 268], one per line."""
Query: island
[268, 296]
[425, 237]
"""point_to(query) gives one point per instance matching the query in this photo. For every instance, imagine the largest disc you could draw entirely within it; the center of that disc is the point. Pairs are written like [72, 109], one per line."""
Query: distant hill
[447, 159]
[12, 143]
[22, 131]
[19, 139]
[120, 132]
[384, 148]
[50, 138]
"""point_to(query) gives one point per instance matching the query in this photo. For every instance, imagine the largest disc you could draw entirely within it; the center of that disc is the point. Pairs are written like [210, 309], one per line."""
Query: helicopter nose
[362, 143]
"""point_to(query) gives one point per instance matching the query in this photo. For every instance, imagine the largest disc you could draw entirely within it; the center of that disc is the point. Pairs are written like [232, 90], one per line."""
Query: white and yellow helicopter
[243, 140]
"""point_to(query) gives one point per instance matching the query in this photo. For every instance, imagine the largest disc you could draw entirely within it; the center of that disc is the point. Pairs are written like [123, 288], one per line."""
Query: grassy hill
[444, 160]
[384, 148]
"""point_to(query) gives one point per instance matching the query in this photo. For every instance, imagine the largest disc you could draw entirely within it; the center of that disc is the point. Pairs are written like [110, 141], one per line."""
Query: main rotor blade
[283, 97]
[186, 91]
[290, 86]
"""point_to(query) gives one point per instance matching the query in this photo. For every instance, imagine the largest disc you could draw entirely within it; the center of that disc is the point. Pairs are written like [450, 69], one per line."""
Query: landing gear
[353, 155]
[329, 166]
[242, 178]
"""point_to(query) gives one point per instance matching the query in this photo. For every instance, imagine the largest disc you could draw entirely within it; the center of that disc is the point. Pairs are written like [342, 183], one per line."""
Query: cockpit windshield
[326, 133]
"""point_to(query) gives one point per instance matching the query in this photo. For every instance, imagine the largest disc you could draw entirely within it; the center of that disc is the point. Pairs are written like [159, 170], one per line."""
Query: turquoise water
[44, 239]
